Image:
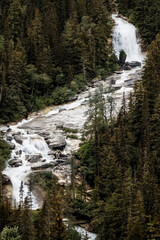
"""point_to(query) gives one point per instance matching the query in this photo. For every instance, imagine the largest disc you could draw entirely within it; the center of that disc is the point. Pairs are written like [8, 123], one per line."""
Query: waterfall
[125, 38]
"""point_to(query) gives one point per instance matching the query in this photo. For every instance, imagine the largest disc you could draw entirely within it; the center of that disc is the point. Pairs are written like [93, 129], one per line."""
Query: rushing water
[124, 37]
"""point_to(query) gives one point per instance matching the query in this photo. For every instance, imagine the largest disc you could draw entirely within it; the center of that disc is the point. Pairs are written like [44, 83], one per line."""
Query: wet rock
[70, 99]
[117, 87]
[18, 139]
[84, 103]
[12, 145]
[43, 160]
[9, 138]
[4, 129]
[43, 166]
[62, 109]
[57, 143]
[118, 72]
[35, 158]
[19, 152]
[15, 162]
[133, 64]
[127, 68]
[5, 179]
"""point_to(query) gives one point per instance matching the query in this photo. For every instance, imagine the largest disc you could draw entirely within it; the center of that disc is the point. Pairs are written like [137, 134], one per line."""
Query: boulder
[133, 64]
[127, 67]
[15, 162]
[70, 99]
[58, 143]
[5, 180]
[12, 145]
[43, 166]
[85, 102]
[18, 139]
[35, 158]
[62, 109]
[9, 138]
[117, 87]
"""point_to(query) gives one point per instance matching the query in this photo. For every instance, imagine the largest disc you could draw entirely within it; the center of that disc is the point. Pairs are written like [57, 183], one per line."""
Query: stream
[40, 144]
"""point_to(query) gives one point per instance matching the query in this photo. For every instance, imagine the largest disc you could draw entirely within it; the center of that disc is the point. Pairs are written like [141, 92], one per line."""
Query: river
[34, 140]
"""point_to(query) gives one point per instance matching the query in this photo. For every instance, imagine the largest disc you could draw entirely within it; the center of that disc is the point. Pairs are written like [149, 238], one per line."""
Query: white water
[124, 37]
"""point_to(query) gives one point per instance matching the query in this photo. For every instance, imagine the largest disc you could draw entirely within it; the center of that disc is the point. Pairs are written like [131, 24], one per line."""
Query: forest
[49, 51]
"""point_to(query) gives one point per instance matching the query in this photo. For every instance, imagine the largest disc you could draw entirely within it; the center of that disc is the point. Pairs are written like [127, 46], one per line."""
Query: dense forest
[120, 160]
[145, 14]
[49, 50]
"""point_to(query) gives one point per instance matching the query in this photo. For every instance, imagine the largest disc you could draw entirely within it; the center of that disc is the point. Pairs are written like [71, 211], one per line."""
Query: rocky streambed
[46, 140]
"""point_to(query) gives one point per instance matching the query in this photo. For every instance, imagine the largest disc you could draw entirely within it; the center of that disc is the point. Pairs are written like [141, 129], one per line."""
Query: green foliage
[68, 130]
[5, 152]
[72, 136]
[10, 234]
[48, 52]
[43, 179]
[145, 14]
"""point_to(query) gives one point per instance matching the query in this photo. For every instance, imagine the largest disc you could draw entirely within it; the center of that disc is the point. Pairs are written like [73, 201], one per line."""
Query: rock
[43, 160]
[15, 162]
[84, 102]
[58, 143]
[133, 64]
[118, 72]
[12, 145]
[18, 139]
[127, 68]
[70, 99]
[16, 133]
[9, 138]
[62, 109]
[19, 152]
[34, 158]
[43, 166]
[5, 179]
[117, 87]
[3, 129]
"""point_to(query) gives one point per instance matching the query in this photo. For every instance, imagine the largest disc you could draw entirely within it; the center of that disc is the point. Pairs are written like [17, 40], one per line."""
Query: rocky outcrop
[15, 162]
[34, 158]
[133, 64]
[57, 143]
[18, 139]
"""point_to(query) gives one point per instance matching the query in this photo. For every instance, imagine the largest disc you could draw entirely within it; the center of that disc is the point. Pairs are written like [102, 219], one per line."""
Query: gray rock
[57, 143]
[62, 109]
[118, 72]
[15, 162]
[5, 180]
[12, 145]
[19, 152]
[3, 129]
[9, 138]
[127, 67]
[35, 158]
[117, 87]
[84, 102]
[70, 99]
[18, 139]
[43, 160]
[133, 64]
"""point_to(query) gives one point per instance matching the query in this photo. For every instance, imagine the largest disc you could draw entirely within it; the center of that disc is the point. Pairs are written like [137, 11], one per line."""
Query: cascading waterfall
[125, 38]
